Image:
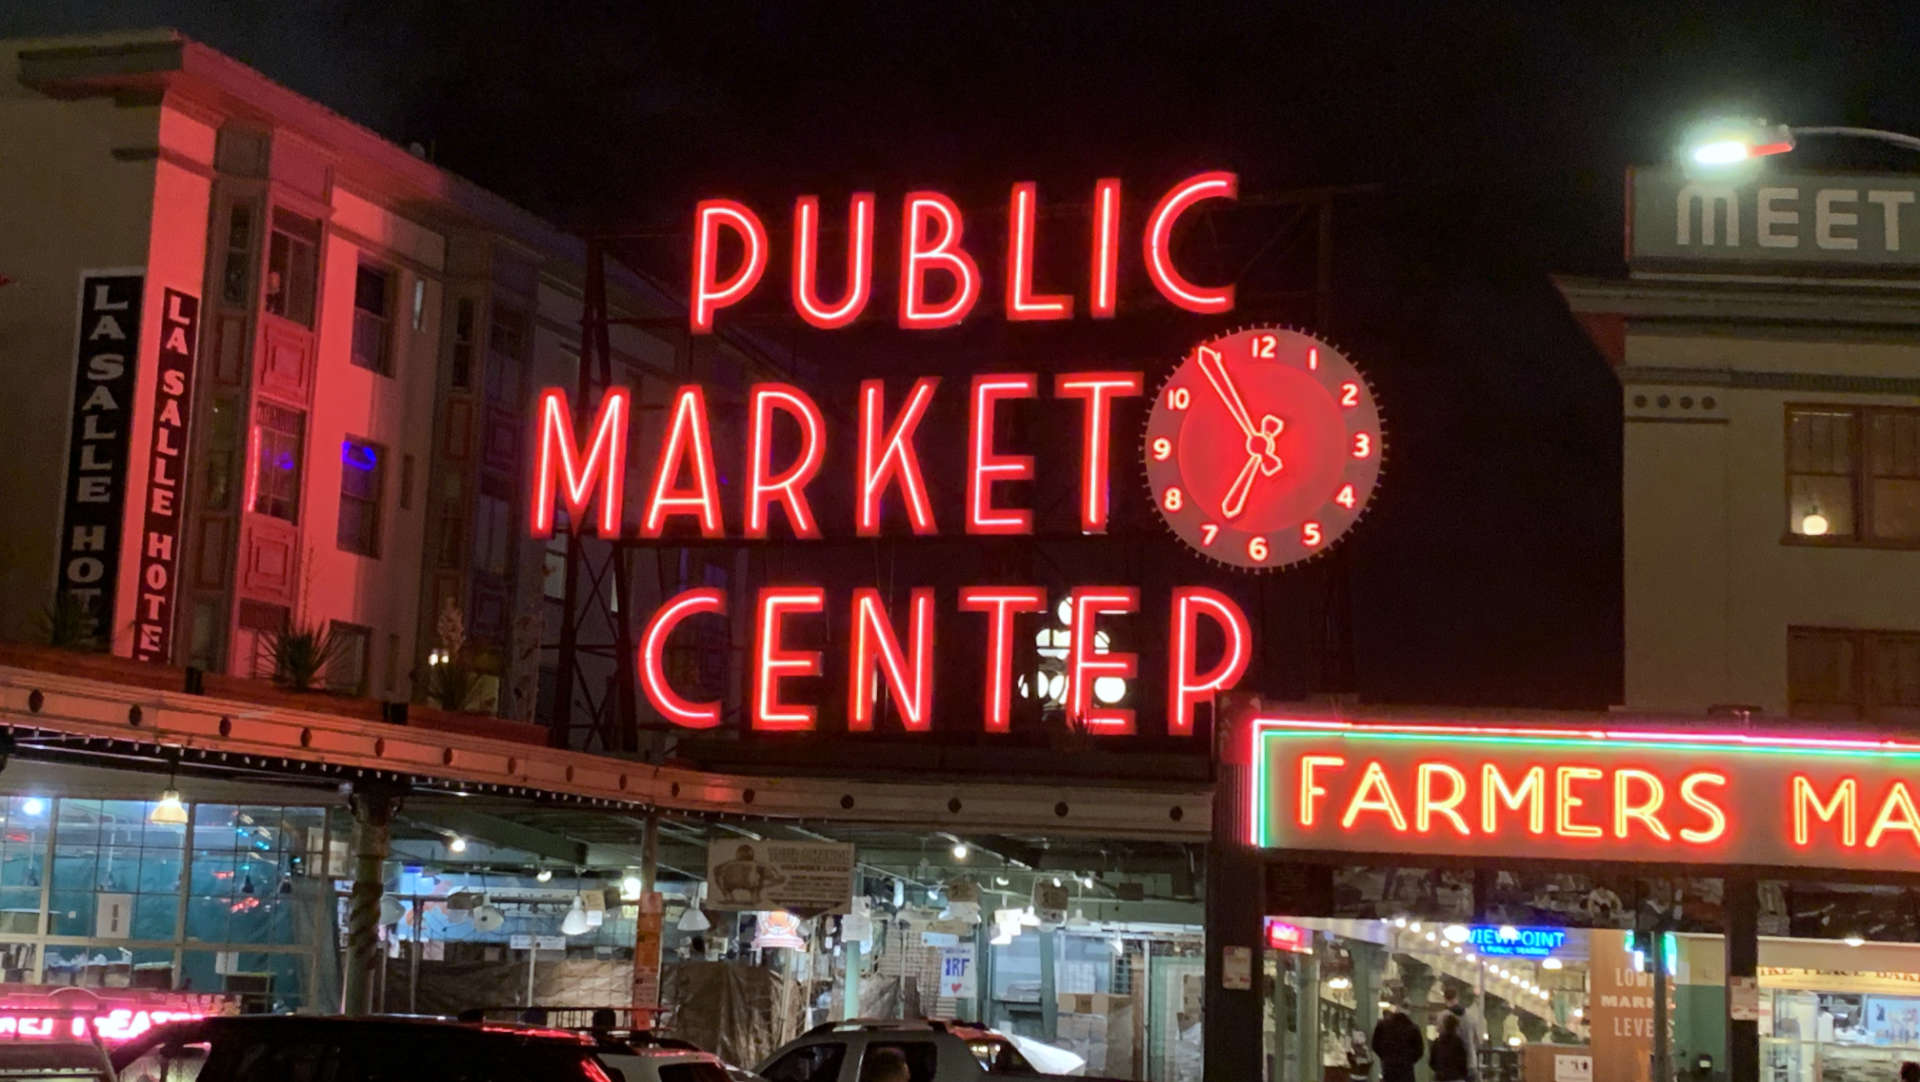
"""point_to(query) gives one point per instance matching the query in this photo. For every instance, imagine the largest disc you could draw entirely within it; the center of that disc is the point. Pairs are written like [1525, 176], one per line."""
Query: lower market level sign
[1513, 792]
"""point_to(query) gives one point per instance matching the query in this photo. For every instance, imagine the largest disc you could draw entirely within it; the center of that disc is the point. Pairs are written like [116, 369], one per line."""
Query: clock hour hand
[1216, 373]
[1236, 499]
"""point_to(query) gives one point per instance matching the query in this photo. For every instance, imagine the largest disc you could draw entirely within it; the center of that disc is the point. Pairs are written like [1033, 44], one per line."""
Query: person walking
[1398, 1044]
[1469, 1030]
[1448, 1054]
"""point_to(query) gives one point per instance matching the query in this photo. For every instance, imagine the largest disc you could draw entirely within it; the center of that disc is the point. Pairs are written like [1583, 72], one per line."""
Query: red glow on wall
[923, 252]
[806, 247]
[653, 653]
[1105, 274]
[1022, 303]
[1000, 604]
[985, 468]
[767, 485]
[711, 293]
[578, 473]
[774, 662]
[891, 457]
[908, 673]
[689, 442]
[1085, 664]
[1098, 389]
[1186, 686]
[1159, 239]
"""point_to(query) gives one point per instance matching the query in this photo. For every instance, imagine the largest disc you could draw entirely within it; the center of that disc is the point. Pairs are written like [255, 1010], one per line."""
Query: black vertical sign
[98, 434]
[160, 538]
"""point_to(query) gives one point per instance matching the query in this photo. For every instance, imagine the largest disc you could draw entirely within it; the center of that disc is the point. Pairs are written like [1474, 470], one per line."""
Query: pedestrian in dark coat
[1398, 1044]
[1448, 1055]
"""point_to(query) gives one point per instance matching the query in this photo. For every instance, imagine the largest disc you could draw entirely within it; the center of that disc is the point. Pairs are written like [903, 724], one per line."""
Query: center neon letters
[940, 281]
[1576, 802]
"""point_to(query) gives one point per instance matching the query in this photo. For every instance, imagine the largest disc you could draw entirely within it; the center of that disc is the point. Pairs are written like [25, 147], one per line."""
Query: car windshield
[999, 1057]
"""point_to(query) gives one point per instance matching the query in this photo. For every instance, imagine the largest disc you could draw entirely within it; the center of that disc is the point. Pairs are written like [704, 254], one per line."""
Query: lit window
[362, 476]
[277, 442]
[1853, 475]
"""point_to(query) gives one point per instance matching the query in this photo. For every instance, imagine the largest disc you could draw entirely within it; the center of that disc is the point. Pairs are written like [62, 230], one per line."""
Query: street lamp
[1730, 142]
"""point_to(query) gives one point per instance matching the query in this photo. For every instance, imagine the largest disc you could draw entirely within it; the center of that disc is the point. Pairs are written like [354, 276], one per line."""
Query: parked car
[66, 1061]
[658, 1064]
[935, 1051]
[289, 1048]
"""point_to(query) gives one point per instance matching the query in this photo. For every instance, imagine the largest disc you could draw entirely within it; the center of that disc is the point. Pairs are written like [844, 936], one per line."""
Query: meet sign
[1858, 222]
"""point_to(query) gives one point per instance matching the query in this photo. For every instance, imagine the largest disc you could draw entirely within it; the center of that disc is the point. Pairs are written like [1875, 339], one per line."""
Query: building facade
[342, 449]
[1767, 340]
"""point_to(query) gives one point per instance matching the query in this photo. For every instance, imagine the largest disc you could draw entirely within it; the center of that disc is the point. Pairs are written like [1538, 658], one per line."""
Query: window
[290, 267]
[347, 671]
[406, 482]
[1853, 475]
[462, 374]
[810, 1063]
[277, 439]
[171, 1062]
[1840, 674]
[373, 319]
[493, 533]
[235, 271]
[222, 440]
[508, 333]
[921, 1057]
[363, 468]
[253, 646]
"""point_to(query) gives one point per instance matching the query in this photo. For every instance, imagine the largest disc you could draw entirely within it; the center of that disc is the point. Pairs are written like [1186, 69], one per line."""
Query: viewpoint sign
[1855, 223]
[1633, 796]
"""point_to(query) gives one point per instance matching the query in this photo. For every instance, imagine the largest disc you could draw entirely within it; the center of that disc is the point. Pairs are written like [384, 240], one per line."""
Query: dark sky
[1498, 135]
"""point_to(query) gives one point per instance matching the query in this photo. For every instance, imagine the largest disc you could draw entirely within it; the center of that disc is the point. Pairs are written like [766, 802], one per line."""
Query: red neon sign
[1624, 795]
[1282, 936]
[940, 281]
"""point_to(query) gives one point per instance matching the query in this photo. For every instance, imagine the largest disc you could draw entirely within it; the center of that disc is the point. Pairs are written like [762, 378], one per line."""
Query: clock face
[1263, 447]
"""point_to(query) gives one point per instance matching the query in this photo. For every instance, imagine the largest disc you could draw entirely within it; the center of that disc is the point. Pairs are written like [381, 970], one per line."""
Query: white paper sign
[805, 878]
[1236, 968]
[957, 976]
[520, 942]
[434, 950]
[551, 942]
[113, 916]
[1743, 999]
[1572, 1068]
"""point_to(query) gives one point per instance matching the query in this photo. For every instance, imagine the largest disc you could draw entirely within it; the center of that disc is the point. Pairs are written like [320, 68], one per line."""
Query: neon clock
[1263, 447]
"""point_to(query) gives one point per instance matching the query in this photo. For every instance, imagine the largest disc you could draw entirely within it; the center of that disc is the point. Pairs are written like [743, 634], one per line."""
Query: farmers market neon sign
[1626, 795]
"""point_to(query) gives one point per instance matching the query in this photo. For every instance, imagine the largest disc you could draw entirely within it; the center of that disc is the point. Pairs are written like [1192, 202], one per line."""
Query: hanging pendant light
[575, 922]
[168, 810]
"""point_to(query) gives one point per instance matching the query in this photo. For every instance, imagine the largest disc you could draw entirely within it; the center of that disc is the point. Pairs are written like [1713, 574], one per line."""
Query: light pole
[1730, 142]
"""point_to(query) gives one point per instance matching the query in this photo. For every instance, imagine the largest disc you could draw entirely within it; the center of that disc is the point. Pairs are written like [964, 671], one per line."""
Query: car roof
[309, 1022]
[661, 1056]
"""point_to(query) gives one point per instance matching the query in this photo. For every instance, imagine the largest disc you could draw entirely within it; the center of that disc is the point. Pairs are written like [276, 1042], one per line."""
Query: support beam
[502, 833]
[1741, 902]
[1049, 988]
[373, 807]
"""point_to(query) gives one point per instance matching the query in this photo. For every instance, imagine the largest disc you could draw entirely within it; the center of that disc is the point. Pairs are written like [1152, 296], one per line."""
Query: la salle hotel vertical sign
[99, 433]
[581, 452]
[160, 531]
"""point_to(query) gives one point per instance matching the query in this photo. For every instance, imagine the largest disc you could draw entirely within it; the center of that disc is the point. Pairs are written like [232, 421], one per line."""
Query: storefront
[1576, 889]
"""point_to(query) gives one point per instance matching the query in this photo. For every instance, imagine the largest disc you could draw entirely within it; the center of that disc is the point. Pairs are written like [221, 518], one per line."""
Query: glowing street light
[1730, 141]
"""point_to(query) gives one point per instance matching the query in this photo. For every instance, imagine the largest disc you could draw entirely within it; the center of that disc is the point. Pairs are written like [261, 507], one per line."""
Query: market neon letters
[940, 281]
[1378, 794]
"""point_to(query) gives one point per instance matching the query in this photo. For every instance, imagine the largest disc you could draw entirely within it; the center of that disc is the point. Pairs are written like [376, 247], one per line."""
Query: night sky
[1494, 139]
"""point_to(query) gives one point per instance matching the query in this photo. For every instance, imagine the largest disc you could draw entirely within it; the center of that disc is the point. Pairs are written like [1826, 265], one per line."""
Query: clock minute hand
[1216, 373]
